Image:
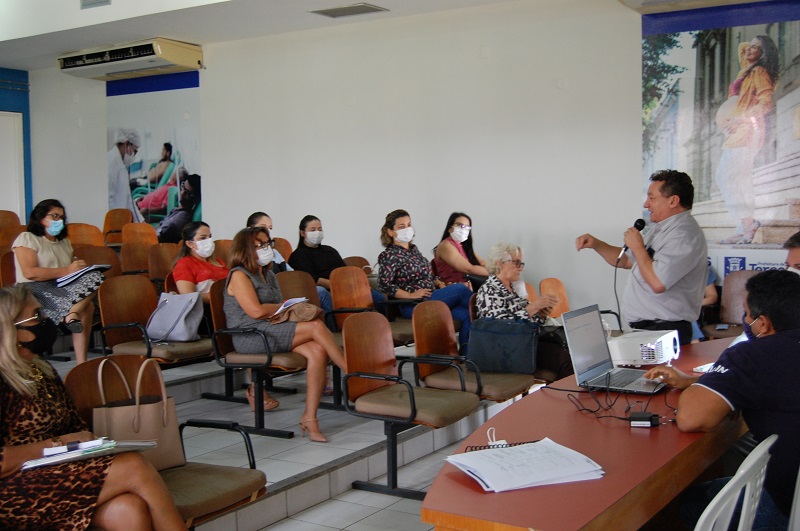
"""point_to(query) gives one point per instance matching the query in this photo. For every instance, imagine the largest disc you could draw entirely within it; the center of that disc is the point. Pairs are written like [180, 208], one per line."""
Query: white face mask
[314, 238]
[265, 256]
[460, 234]
[127, 160]
[204, 248]
[404, 235]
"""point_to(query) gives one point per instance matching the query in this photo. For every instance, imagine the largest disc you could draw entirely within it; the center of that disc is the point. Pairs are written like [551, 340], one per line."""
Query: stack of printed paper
[528, 465]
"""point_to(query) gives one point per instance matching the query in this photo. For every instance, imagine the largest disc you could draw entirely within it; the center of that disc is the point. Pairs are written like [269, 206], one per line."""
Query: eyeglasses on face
[519, 264]
[265, 245]
[38, 315]
[461, 226]
[55, 216]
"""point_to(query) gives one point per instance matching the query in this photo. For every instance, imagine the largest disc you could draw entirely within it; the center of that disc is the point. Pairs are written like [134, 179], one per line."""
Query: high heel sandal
[74, 325]
[313, 435]
[269, 402]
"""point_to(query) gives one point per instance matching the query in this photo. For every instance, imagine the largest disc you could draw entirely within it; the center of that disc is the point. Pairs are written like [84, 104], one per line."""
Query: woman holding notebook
[121, 491]
[44, 253]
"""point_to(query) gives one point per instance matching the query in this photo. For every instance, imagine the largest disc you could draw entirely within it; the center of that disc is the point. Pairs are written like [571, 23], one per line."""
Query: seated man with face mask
[169, 230]
[756, 378]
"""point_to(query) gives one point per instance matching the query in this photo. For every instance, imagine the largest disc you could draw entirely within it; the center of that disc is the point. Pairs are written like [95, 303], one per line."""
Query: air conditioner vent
[348, 11]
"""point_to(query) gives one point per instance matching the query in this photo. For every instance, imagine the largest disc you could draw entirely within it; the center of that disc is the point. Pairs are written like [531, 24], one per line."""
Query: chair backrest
[221, 249]
[8, 270]
[553, 286]
[359, 261]
[368, 347]
[170, 286]
[733, 295]
[8, 218]
[83, 387]
[349, 289]
[298, 284]
[434, 333]
[532, 296]
[9, 233]
[219, 321]
[98, 255]
[135, 258]
[84, 234]
[114, 220]
[139, 232]
[126, 299]
[750, 477]
[160, 260]
[284, 247]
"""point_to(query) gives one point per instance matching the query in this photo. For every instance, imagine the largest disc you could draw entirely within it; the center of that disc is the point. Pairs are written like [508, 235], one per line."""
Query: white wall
[525, 115]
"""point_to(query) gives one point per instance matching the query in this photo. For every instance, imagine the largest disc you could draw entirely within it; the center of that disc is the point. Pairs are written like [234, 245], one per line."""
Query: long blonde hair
[13, 368]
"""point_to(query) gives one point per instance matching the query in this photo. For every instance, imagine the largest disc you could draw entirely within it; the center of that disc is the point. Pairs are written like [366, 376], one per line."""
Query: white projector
[644, 347]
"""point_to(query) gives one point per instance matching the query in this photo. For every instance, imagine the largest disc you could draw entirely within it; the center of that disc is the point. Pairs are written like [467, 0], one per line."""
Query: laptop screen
[588, 347]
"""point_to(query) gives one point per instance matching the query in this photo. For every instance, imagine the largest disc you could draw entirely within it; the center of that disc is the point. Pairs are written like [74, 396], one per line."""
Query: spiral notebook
[108, 448]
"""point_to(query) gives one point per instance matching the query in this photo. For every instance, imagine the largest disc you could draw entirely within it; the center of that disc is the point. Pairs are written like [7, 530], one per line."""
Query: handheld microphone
[638, 225]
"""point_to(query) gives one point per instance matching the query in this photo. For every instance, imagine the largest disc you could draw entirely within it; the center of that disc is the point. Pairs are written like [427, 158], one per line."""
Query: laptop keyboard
[618, 379]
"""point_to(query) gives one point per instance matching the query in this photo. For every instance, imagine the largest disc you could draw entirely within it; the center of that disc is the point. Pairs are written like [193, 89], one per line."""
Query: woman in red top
[454, 257]
[195, 268]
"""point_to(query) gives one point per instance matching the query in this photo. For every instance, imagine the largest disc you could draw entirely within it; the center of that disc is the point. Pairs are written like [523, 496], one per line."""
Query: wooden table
[645, 468]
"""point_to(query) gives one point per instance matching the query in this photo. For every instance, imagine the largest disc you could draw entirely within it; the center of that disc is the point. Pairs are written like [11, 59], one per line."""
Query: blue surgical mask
[746, 326]
[55, 228]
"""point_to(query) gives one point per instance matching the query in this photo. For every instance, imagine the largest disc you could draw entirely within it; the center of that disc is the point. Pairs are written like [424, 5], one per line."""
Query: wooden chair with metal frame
[201, 491]
[221, 249]
[265, 366]
[8, 270]
[8, 218]
[84, 234]
[113, 222]
[126, 303]
[731, 307]
[139, 232]
[170, 286]
[283, 246]
[359, 261]
[435, 336]
[554, 286]
[351, 293]
[160, 261]
[9, 233]
[135, 258]
[374, 389]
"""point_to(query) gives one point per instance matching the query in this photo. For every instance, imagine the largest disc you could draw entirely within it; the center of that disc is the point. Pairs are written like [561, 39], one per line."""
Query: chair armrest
[240, 331]
[386, 378]
[141, 328]
[224, 425]
[115, 231]
[446, 360]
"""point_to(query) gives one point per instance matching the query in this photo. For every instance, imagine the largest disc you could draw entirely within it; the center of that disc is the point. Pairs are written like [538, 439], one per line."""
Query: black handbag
[553, 360]
[503, 345]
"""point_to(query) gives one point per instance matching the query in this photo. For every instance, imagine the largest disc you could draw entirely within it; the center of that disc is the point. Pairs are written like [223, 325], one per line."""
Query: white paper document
[528, 465]
[288, 303]
[108, 447]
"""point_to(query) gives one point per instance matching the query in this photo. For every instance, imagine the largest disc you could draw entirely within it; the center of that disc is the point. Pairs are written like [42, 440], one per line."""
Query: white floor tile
[372, 499]
[291, 524]
[279, 470]
[312, 454]
[335, 513]
[390, 520]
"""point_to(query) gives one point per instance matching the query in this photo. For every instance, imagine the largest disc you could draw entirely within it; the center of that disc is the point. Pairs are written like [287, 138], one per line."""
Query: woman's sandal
[73, 325]
[313, 434]
[269, 402]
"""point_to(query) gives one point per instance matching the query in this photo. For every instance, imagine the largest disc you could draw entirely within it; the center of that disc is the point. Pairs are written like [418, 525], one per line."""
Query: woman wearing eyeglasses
[252, 296]
[44, 253]
[122, 491]
[503, 295]
[454, 258]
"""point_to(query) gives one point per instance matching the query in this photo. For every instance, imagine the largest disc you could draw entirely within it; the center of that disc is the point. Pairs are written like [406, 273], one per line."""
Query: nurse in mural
[743, 120]
[120, 157]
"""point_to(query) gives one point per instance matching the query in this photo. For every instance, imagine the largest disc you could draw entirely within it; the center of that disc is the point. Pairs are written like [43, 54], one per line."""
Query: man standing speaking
[665, 289]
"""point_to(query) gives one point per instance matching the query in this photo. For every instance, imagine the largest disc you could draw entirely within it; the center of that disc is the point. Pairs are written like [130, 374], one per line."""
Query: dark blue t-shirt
[760, 379]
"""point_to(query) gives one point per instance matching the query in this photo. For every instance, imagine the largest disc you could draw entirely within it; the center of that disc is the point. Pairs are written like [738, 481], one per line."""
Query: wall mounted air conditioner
[134, 59]
[647, 7]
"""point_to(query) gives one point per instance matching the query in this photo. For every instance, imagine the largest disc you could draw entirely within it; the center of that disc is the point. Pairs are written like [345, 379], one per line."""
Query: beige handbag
[140, 418]
[302, 311]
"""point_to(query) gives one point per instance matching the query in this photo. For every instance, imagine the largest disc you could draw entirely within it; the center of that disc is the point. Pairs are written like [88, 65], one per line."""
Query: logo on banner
[735, 263]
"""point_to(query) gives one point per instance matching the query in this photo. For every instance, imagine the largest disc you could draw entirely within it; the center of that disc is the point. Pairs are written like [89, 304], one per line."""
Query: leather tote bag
[176, 318]
[141, 418]
[503, 345]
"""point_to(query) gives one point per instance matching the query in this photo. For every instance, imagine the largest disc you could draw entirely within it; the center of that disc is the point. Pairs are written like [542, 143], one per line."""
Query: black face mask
[46, 333]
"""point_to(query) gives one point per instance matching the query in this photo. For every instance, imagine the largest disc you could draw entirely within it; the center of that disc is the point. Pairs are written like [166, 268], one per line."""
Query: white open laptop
[591, 358]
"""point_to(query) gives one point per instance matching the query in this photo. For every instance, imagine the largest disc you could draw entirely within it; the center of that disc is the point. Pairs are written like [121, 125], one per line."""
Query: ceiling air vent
[349, 11]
